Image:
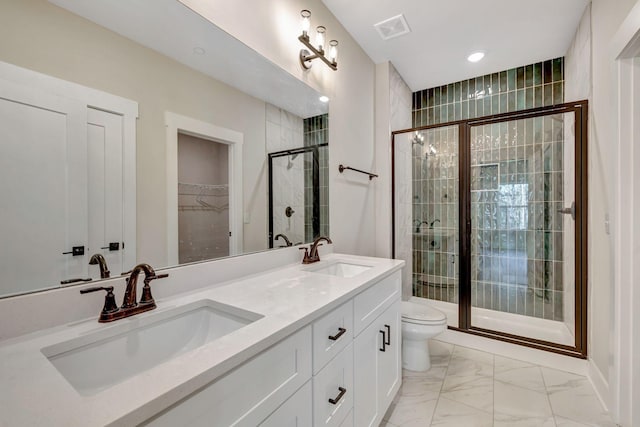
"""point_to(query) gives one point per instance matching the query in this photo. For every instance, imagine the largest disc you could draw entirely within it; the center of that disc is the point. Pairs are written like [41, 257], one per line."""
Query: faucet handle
[146, 297]
[110, 305]
[305, 259]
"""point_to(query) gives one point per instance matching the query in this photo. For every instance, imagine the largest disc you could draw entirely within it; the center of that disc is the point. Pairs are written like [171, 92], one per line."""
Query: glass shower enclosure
[490, 215]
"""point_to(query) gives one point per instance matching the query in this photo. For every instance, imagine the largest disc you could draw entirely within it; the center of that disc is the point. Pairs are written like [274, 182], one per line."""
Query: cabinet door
[367, 345]
[389, 362]
[295, 412]
[377, 367]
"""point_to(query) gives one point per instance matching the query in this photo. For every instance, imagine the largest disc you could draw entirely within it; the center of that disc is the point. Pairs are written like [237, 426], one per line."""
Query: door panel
[44, 213]
[518, 242]
[105, 188]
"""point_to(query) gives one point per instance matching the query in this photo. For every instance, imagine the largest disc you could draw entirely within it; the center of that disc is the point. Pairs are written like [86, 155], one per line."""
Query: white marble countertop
[33, 392]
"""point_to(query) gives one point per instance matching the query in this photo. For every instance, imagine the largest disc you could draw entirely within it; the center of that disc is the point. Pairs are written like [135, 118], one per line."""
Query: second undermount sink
[341, 269]
[101, 359]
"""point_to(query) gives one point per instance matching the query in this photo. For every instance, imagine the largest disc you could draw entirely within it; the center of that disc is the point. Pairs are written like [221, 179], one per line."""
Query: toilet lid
[419, 313]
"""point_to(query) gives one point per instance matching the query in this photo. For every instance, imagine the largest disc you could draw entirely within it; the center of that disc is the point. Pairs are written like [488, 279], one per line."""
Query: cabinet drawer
[371, 303]
[332, 333]
[295, 412]
[248, 394]
[333, 390]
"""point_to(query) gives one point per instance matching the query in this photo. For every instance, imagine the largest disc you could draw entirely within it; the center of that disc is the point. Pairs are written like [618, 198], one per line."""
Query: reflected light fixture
[316, 49]
[324, 98]
[475, 57]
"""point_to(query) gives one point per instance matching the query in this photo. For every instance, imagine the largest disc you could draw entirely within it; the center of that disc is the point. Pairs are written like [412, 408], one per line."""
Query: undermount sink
[341, 269]
[99, 360]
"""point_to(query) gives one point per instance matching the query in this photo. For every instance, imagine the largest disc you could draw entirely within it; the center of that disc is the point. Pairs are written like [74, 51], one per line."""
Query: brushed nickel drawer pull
[341, 332]
[339, 396]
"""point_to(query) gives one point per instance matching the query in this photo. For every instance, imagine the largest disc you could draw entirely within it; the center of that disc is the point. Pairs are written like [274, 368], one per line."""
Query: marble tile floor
[466, 387]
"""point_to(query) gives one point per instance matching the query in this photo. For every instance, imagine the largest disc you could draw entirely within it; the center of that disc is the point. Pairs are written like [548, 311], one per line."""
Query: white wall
[272, 27]
[606, 17]
[392, 112]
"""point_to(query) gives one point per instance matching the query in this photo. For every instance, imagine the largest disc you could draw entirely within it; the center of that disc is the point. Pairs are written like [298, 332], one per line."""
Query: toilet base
[415, 355]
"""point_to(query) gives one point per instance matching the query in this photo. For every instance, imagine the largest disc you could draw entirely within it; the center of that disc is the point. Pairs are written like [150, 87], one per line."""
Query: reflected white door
[43, 188]
[105, 189]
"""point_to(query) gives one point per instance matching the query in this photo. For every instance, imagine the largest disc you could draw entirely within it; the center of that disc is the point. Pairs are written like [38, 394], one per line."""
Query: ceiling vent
[392, 27]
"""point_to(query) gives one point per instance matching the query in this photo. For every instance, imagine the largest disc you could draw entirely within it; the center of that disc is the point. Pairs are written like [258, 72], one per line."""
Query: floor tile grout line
[453, 347]
[553, 413]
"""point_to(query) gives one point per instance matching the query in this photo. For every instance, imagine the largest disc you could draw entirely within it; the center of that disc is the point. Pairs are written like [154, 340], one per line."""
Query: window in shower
[489, 216]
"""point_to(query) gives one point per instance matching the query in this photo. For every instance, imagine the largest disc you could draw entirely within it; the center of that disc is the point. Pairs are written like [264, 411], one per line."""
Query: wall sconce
[317, 50]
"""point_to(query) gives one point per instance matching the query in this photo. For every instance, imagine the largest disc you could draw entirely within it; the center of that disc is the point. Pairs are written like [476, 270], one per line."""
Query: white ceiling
[443, 33]
[169, 27]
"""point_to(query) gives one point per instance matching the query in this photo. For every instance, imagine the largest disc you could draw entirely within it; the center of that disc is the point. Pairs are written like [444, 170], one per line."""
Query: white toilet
[419, 323]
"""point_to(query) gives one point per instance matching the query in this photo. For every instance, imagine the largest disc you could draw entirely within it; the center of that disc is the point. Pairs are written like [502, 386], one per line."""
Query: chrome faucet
[311, 255]
[285, 238]
[102, 263]
[129, 306]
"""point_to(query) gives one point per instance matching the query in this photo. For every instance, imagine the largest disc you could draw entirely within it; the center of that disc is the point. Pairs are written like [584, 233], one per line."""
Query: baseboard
[600, 384]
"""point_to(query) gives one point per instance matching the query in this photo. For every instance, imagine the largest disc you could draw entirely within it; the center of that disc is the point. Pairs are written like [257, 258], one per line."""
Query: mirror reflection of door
[203, 199]
[77, 152]
[105, 196]
[42, 213]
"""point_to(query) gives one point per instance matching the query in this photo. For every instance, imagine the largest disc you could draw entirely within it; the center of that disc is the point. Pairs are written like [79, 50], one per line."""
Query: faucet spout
[285, 238]
[102, 263]
[129, 299]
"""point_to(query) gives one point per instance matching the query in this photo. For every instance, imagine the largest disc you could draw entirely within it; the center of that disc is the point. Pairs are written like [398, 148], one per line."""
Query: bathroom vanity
[297, 344]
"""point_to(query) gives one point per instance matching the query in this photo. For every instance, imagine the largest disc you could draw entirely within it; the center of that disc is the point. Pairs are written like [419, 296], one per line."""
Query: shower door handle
[569, 211]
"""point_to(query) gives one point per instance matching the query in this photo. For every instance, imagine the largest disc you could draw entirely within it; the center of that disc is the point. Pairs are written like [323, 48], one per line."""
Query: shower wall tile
[517, 239]
[534, 85]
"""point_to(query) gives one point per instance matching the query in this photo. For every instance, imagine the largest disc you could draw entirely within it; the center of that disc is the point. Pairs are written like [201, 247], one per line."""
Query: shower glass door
[489, 215]
[522, 205]
[426, 165]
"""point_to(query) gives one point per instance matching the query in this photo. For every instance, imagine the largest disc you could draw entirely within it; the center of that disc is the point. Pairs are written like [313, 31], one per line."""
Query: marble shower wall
[285, 131]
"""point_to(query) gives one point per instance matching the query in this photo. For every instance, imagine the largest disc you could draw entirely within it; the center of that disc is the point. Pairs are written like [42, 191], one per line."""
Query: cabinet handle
[341, 332]
[384, 341]
[388, 341]
[339, 396]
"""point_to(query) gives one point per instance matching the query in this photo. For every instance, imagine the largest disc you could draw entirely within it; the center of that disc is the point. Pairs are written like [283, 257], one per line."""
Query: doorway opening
[203, 199]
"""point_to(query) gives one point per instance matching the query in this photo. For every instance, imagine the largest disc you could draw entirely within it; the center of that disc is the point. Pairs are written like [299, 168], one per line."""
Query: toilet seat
[421, 314]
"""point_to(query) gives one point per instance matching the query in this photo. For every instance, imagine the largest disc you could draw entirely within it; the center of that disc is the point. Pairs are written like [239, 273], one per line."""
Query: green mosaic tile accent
[315, 132]
[530, 86]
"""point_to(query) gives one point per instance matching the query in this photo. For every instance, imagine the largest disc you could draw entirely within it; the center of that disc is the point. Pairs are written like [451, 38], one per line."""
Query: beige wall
[39, 36]
[272, 28]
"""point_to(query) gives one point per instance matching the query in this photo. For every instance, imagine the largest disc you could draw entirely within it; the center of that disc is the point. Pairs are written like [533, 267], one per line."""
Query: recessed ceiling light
[475, 57]
[198, 51]
[324, 98]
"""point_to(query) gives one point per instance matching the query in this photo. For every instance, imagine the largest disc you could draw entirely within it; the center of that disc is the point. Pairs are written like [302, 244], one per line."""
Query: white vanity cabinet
[377, 371]
[343, 370]
[295, 412]
[247, 395]
[333, 366]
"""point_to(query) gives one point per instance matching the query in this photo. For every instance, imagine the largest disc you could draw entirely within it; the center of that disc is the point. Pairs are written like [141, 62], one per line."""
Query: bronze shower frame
[580, 110]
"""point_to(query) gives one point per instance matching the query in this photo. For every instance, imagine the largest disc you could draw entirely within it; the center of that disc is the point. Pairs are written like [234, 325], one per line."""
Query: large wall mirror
[138, 131]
